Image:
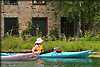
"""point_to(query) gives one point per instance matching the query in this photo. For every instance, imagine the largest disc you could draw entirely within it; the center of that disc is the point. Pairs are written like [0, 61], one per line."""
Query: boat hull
[81, 54]
[27, 56]
[30, 56]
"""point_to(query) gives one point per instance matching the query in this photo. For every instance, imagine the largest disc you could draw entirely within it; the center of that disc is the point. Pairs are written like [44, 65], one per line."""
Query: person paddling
[38, 48]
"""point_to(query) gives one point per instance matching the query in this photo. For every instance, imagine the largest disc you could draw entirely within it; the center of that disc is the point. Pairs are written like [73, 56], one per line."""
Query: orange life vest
[39, 49]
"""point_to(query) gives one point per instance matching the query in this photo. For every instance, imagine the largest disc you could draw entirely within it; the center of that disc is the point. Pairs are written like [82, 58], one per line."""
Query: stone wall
[25, 11]
[0, 20]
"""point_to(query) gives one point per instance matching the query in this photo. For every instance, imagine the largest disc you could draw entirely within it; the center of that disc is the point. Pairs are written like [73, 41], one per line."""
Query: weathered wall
[0, 20]
[25, 11]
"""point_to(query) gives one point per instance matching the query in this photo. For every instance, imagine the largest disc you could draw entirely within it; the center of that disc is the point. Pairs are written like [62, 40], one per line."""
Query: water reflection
[54, 62]
[66, 60]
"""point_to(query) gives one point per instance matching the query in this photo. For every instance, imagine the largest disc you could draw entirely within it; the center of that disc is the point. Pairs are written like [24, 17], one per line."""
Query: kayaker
[38, 48]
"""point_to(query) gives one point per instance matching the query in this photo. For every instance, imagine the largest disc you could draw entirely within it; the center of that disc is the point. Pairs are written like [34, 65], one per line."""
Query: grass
[74, 45]
[18, 44]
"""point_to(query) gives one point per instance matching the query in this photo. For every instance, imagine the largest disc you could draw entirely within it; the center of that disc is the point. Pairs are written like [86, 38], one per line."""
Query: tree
[84, 13]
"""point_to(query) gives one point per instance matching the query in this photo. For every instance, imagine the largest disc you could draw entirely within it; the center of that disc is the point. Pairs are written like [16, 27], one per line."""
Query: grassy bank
[18, 44]
[74, 45]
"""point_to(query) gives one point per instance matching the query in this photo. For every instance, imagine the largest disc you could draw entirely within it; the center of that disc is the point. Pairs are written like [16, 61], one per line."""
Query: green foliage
[86, 11]
[12, 43]
[74, 45]
[53, 33]
[90, 37]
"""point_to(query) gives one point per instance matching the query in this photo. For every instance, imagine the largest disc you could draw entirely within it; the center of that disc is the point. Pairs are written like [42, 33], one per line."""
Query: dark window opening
[67, 28]
[11, 26]
[39, 2]
[11, 2]
[39, 25]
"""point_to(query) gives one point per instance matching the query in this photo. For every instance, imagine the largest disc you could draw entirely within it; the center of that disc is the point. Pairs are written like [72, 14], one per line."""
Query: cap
[39, 40]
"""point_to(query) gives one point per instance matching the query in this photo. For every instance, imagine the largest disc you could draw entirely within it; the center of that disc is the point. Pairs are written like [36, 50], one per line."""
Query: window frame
[10, 2]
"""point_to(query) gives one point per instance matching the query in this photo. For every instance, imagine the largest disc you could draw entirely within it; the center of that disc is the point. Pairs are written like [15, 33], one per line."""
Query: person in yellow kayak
[38, 48]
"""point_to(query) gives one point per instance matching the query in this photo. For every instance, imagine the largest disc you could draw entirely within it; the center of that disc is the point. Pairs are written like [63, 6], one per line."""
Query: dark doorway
[67, 28]
[11, 25]
[39, 25]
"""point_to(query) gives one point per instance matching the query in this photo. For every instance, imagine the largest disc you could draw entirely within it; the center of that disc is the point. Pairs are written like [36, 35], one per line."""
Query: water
[54, 62]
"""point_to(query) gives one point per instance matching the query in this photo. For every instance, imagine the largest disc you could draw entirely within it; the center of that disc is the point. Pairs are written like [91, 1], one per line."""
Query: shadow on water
[54, 62]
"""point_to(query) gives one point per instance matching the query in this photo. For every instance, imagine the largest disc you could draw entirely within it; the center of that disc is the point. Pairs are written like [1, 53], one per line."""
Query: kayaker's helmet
[39, 40]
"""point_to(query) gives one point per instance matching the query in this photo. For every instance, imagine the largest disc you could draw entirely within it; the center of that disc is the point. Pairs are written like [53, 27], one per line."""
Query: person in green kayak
[38, 48]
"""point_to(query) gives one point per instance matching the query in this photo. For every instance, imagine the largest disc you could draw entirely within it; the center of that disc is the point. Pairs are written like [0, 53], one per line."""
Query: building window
[39, 26]
[11, 25]
[39, 2]
[10, 2]
[68, 28]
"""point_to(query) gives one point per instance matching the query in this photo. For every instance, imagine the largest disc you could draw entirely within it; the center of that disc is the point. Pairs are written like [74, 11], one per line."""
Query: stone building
[17, 14]
[45, 15]
[42, 14]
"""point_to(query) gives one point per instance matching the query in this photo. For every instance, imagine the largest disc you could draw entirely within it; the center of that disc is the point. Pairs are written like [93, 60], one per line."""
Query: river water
[54, 62]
